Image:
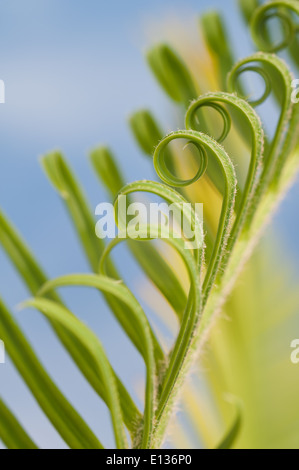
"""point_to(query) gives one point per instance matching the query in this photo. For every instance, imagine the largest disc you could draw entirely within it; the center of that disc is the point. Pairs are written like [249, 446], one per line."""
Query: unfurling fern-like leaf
[224, 240]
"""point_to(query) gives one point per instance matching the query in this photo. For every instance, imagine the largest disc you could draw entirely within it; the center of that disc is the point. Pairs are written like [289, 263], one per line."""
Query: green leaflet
[246, 202]
[248, 7]
[73, 430]
[205, 144]
[160, 58]
[275, 9]
[234, 429]
[106, 168]
[258, 16]
[171, 73]
[137, 320]
[161, 165]
[274, 158]
[175, 79]
[145, 130]
[148, 134]
[179, 355]
[20, 255]
[169, 195]
[34, 278]
[215, 35]
[11, 432]
[178, 358]
[85, 336]
[148, 257]
[246, 244]
[60, 175]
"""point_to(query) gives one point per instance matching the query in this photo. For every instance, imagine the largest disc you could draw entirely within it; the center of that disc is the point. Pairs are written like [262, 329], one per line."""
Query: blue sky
[73, 72]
